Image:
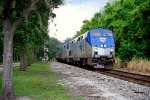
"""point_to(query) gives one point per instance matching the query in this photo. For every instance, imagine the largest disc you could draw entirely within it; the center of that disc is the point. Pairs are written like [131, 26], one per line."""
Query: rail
[128, 76]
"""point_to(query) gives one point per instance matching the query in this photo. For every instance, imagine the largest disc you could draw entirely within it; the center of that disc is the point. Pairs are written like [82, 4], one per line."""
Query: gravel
[90, 85]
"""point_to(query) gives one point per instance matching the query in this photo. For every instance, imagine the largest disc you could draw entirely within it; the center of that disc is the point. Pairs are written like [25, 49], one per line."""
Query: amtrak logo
[102, 39]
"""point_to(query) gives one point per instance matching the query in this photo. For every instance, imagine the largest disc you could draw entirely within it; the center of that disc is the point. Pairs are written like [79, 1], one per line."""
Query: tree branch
[40, 19]
[26, 13]
[50, 4]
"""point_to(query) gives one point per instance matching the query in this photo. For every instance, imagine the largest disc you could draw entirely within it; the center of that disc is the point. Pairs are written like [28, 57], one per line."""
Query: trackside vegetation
[38, 83]
[136, 65]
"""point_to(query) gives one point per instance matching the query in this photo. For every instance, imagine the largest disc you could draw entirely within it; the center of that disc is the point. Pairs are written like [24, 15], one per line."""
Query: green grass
[39, 83]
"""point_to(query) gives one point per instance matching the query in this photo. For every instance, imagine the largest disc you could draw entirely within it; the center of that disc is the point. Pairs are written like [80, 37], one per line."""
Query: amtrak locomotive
[96, 47]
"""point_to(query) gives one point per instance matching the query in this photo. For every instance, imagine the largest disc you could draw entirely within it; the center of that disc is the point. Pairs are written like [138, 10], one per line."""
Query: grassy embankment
[38, 83]
[137, 65]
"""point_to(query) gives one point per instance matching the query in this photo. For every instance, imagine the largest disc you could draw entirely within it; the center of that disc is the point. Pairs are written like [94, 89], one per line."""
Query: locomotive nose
[103, 52]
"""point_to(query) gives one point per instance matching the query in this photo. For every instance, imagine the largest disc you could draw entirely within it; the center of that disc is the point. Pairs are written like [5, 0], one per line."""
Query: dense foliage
[30, 37]
[130, 21]
[32, 33]
[54, 46]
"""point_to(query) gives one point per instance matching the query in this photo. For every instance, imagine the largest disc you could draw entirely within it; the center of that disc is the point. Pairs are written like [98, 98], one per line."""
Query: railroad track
[128, 76]
[124, 75]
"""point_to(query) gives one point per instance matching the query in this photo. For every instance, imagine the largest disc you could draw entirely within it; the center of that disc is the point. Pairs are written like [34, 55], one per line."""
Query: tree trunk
[7, 84]
[22, 60]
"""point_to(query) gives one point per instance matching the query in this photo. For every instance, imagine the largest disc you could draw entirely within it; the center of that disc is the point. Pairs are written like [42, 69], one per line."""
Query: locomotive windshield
[100, 34]
[95, 34]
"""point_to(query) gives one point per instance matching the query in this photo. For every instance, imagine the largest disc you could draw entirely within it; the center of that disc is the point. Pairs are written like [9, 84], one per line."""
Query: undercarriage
[103, 62]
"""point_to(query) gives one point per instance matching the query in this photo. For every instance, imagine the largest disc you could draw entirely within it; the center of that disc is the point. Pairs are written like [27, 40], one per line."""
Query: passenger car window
[78, 39]
[67, 46]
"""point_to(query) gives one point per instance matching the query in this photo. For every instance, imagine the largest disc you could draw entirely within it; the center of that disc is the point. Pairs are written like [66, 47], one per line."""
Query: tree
[28, 37]
[67, 40]
[54, 46]
[13, 13]
[1, 42]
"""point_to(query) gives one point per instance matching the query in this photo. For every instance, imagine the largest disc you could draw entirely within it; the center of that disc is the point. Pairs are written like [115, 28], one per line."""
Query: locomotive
[96, 48]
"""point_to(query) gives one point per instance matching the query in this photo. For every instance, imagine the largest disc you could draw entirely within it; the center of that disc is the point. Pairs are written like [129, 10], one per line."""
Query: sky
[70, 16]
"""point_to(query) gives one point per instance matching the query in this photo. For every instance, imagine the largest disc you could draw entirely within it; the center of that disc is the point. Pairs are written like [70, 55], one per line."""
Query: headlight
[103, 45]
[111, 49]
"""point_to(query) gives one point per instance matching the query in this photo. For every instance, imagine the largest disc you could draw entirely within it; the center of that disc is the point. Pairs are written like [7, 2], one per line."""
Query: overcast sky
[69, 17]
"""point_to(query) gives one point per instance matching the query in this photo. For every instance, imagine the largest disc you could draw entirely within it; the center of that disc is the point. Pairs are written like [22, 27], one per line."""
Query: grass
[140, 65]
[137, 65]
[38, 83]
[119, 64]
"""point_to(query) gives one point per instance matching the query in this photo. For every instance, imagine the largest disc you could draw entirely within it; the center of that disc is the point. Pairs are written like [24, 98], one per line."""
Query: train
[95, 48]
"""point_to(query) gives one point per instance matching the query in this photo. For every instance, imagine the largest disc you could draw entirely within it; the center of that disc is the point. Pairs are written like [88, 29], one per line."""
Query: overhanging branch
[50, 4]
[26, 13]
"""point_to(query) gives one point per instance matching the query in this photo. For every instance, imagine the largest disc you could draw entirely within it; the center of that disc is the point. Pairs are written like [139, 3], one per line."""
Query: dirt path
[14, 64]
